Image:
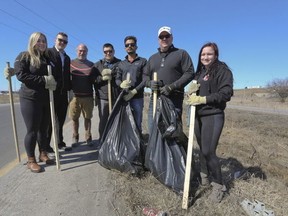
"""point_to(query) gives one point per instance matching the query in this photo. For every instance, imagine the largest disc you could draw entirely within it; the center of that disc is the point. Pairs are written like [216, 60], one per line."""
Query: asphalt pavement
[80, 187]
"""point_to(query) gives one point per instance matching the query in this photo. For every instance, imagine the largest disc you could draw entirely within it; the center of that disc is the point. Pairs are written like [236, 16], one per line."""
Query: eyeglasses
[63, 41]
[164, 36]
[130, 44]
[108, 51]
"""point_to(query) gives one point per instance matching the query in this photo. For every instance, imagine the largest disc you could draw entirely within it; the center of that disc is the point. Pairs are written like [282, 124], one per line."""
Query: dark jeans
[207, 131]
[36, 117]
[60, 108]
[137, 105]
[103, 110]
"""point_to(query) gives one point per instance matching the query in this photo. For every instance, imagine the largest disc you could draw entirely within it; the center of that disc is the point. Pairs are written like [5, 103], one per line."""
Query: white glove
[130, 95]
[106, 77]
[106, 71]
[125, 84]
[50, 82]
[8, 72]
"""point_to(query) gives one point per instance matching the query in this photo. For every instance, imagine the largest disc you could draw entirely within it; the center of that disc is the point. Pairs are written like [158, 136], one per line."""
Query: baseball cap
[166, 29]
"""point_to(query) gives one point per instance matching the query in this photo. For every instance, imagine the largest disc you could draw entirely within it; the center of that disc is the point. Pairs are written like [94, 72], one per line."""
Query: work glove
[154, 85]
[167, 89]
[8, 72]
[196, 100]
[106, 71]
[106, 77]
[125, 84]
[50, 82]
[130, 95]
[193, 88]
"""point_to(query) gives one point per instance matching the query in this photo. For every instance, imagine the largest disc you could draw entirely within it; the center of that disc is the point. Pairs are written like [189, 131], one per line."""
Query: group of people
[73, 82]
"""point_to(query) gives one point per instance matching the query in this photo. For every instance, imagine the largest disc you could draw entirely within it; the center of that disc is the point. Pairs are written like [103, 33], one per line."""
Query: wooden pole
[13, 115]
[109, 96]
[185, 201]
[154, 95]
[53, 121]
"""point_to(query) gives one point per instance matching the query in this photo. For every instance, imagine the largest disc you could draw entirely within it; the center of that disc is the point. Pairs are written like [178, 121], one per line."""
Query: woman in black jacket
[216, 89]
[31, 70]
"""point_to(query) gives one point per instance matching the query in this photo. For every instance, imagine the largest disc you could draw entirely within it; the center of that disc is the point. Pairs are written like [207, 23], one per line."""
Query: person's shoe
[75, 140]
[50, 150]
[89, 141]
[43, 157]
[217, 193]
[62, 145]
[33, 166]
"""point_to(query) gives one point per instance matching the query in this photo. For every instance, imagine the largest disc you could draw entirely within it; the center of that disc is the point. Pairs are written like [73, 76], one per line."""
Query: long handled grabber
[53, 121]
[185, 201]
[154, 95]
[13, 115]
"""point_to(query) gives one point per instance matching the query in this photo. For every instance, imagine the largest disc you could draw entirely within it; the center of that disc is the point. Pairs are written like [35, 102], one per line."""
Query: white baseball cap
[164, 29]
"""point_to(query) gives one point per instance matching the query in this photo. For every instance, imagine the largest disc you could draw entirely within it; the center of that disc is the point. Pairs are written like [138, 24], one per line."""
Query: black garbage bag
[165, 154]
[121, 143]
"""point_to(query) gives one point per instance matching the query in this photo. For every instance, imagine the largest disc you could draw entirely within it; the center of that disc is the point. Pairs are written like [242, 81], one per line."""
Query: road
[7, 144]
[259, 109]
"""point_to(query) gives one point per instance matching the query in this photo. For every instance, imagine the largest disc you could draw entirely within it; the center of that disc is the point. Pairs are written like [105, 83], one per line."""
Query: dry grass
[254, 143]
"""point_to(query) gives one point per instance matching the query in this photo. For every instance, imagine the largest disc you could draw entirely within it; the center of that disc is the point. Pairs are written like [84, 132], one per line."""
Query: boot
[217, 193]
[32, 165]
[43, 157]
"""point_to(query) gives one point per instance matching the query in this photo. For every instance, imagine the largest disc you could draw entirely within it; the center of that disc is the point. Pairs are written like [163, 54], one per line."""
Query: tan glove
[50, 82]
[106, 71]
[8, 72]
[130, 95]
[196, 100]
[125, 84]
[193, 88]
[106, 77]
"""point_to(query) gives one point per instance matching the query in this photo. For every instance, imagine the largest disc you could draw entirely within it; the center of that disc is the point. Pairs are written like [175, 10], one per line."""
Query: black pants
[60, 108]
[207, 131]
[36, 117]
[103, 110]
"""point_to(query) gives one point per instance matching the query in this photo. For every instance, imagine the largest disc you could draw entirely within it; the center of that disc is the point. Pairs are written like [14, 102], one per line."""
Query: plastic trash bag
[121, 143]
[165, 154]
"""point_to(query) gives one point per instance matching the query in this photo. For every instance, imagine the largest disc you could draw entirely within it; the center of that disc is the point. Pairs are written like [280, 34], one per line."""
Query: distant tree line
[279, 86]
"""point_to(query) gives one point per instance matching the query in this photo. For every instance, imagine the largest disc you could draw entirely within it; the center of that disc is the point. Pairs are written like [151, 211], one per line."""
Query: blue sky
[251, 34]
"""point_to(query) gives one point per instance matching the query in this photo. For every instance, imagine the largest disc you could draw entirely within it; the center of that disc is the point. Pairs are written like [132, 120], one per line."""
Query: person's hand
[130, 95]
[154, 85]
[106, 71]
[8, 72]
[166, 90]
[106, 77]
[193, 88]
[196, 100]
[125, 84]
[50, 82]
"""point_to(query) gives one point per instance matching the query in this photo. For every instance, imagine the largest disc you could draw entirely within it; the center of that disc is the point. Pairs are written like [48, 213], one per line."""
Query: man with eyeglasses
[60, 62]
[108, 69]
[174, 69]
[134, 65]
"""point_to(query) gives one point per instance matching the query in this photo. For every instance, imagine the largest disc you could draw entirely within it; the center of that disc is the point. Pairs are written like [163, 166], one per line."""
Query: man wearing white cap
[174, 69]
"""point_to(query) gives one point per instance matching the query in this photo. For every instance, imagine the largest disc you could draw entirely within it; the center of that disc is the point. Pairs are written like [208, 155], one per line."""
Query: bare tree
[279, 86]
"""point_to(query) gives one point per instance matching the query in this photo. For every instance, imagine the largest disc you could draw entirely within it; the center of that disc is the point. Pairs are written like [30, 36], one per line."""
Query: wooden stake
[154, 95]
[53, 121]
[13, 115]
[185, 201]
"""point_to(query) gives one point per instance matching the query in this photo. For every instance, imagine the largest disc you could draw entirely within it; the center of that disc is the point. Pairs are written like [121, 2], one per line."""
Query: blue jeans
[137, 105]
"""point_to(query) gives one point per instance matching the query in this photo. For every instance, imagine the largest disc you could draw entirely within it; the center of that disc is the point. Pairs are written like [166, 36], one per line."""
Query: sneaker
[75, 141]
[50, 150]
[89, 141]
[61, 145]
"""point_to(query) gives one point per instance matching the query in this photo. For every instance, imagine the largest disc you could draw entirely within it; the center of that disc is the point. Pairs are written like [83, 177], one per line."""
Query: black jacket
[62, 76]
[32, 79]
[217, 86]
[101, 87]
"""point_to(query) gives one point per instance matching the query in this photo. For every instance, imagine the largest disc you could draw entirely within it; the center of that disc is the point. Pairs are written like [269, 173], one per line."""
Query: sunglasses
[61, 40]
[130, 44]
[164, 36]
[108, 51]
